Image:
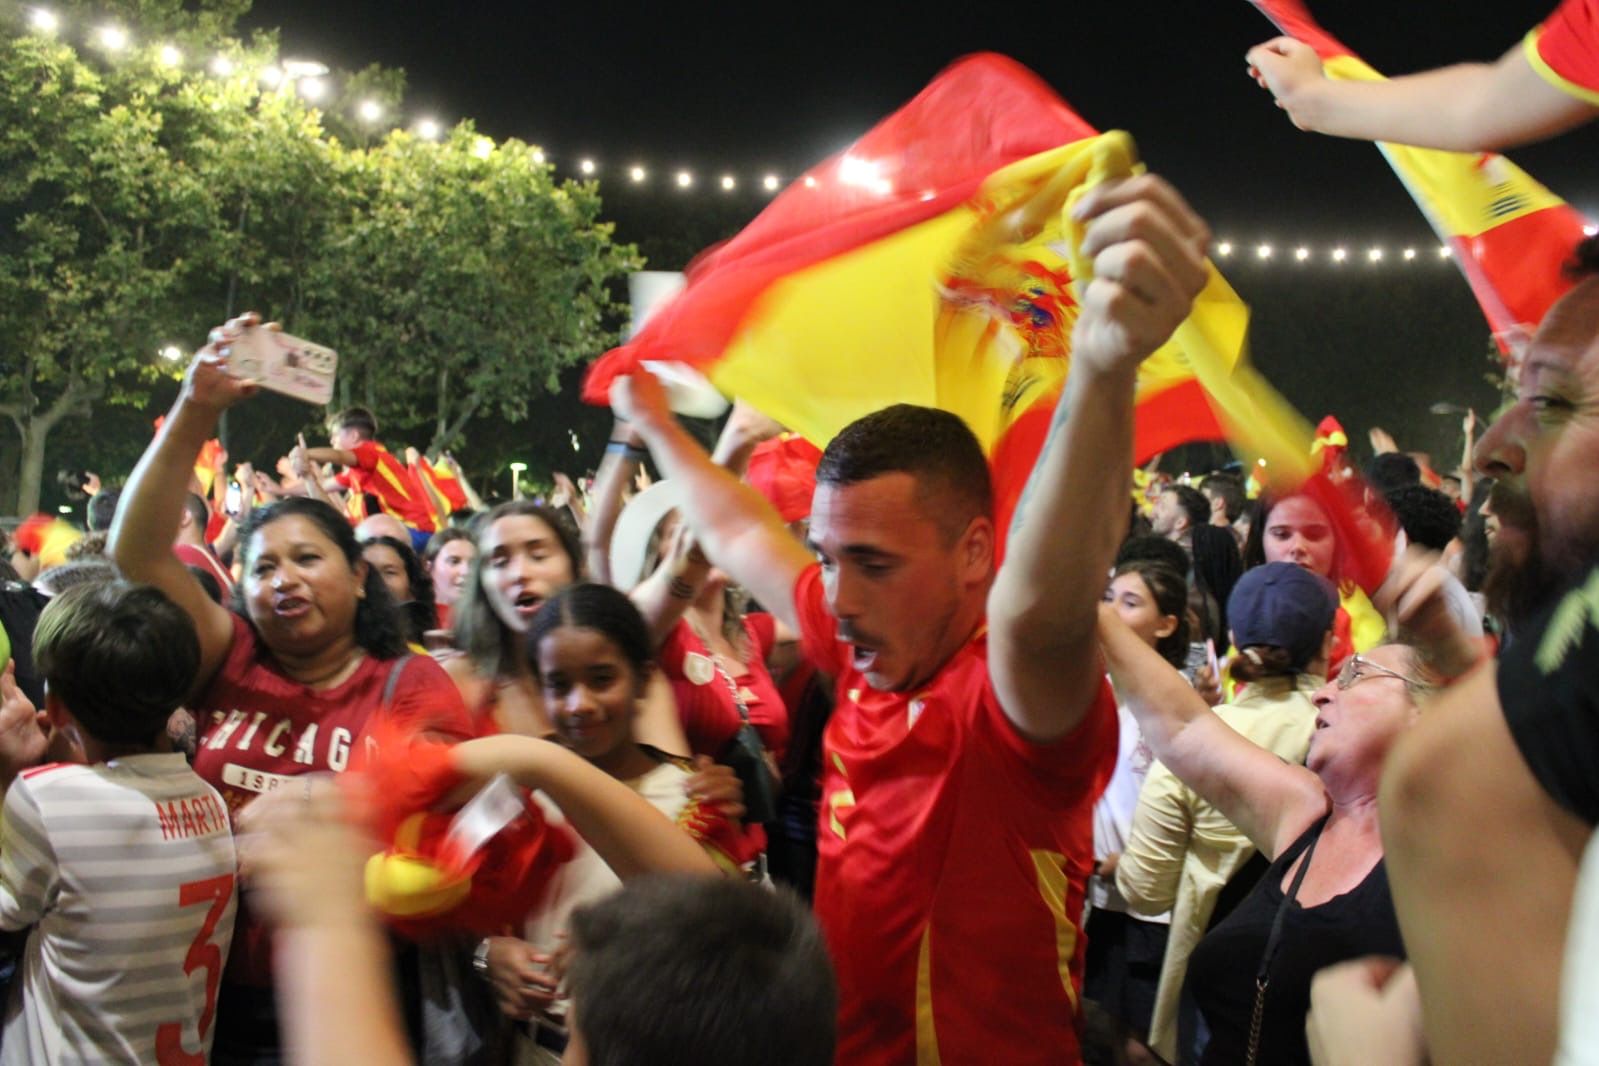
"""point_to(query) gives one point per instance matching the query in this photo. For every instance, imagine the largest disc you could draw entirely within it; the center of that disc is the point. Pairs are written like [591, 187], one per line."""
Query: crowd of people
[351, 765]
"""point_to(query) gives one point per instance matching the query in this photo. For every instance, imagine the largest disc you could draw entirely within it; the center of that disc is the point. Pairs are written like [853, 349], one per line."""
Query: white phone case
[286, 364]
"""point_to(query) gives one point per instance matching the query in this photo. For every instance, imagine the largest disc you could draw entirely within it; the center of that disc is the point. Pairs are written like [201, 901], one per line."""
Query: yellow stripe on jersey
[1549, 74]
[926, 1028]
[838, 799]
[1052, 886]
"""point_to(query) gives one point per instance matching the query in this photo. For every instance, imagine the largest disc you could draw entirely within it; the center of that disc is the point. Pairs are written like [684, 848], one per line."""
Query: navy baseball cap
[1282, 605]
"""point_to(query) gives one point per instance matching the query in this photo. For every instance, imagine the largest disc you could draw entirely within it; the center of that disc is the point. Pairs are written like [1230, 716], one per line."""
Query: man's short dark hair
[1154, 548]
[199, 512]
[1584, 262]
[361, 420]
[1228, 489]
[688, 970]
[121, 657]
[1390, 470]
[935, 447]
[102, 509]
[1193, 503]
[1427, 516]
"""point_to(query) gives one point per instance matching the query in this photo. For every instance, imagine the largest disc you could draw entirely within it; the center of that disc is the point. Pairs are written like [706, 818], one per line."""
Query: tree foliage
[141, 201]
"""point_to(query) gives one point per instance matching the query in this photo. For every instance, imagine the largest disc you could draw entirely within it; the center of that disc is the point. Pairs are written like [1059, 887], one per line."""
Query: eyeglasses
[1358, 668]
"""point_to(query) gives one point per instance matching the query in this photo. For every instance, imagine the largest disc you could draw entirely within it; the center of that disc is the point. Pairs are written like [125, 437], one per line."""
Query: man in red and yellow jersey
[370, 470]
[974, 727]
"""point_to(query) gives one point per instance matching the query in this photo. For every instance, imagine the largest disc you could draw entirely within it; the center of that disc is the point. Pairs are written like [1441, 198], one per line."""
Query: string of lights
[309, 79]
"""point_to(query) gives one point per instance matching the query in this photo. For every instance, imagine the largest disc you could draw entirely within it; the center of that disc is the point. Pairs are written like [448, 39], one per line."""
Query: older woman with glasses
[1325, 898]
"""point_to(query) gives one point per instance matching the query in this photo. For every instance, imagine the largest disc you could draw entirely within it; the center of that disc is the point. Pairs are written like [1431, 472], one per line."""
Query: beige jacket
[1181, 850]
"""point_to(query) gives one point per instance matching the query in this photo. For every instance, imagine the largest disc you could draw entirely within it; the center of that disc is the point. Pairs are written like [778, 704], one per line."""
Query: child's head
[690, 970]
[352, 426]
[118, 657]
[591, 651]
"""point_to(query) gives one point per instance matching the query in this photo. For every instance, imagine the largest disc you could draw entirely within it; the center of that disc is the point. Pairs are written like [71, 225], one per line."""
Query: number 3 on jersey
[218, 892]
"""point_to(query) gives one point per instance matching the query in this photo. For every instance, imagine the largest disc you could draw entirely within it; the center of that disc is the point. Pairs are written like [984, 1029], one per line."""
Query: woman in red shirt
[311, 654]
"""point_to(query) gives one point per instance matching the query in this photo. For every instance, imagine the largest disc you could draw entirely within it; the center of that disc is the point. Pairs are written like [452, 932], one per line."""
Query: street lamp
[517, 470]
[113, 38]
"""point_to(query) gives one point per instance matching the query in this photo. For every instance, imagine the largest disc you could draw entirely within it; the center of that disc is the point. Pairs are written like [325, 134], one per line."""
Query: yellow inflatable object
[402, 884]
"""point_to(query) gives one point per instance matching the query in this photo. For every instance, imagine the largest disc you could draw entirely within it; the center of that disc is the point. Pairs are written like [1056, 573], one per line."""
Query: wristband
[480, 959]
[625, 450]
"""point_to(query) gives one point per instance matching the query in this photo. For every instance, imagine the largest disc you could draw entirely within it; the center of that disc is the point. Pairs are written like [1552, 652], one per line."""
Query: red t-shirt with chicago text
[259, 729]
[1564, 50]
[952, 856]
[378, 473]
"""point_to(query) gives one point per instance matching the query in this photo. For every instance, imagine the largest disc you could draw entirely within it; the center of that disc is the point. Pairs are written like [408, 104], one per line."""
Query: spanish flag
[933, 262]
[441, 487]
[1509, 235]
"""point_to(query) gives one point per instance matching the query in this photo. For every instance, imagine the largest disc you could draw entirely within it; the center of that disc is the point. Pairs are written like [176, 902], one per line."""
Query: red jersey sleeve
[818, 627]
[366, 456]
[1565, 49]
[1070, 769]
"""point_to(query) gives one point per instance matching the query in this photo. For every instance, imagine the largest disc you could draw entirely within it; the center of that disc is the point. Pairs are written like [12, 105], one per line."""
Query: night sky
[750, 92]
[777, 90]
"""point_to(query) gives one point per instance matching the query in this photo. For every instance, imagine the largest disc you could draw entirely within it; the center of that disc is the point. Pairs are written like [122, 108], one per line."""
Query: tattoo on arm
[1055, 423]
[681, 590]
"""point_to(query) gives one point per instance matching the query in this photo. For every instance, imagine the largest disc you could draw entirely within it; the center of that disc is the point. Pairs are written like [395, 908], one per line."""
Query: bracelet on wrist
[625, 450]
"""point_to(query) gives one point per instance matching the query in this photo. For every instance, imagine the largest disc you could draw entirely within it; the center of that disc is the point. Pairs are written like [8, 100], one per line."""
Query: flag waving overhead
[933, 263]
[1510, 235]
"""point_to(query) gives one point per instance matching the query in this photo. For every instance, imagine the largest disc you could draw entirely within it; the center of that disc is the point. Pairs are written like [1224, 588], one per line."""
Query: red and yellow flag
[1509, 235]
[441, 488]
[933, 262]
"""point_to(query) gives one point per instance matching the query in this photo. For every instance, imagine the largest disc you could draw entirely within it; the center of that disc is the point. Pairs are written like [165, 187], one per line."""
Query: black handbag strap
[1273, 942]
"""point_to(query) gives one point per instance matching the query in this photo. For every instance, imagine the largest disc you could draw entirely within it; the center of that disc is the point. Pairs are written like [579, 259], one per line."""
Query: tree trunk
[76, 399]
[30, 473]
[10, 471]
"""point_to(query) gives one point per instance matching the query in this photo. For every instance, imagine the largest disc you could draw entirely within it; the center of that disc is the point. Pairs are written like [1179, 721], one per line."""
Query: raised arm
[623, 454]
[148, 513]
[630, 835]
[666, 595]
[734, 524]
[1148, 250]
[1469, 107]
[1268, 800]
[746, 428]
[330, 455]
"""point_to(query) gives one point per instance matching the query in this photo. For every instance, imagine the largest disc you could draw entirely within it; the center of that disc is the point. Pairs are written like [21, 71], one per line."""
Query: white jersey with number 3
[125, 869]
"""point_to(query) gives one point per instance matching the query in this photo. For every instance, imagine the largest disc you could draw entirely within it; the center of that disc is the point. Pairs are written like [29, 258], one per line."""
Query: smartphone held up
[283, 363]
